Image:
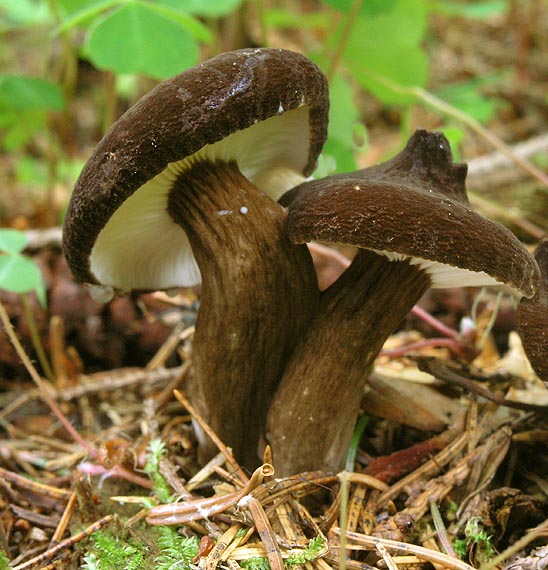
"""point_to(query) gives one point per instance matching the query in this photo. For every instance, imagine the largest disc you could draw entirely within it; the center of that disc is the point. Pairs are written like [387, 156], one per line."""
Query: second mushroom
[414, 227]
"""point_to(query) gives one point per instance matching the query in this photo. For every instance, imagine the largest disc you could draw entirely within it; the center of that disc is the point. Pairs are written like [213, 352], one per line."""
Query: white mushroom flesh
[444, 276]
[142, 248]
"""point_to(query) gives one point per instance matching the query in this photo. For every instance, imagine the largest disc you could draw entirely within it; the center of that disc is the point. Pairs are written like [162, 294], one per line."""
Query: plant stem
[355, 443]
[343, 39]
[436, 324]
[36, 340]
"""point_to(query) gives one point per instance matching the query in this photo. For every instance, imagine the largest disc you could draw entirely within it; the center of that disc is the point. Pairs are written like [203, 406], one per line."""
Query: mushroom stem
[315, 408]
[259, 292]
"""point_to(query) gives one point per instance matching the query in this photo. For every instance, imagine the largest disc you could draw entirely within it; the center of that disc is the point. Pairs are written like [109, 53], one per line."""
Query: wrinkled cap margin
[414, 207]
[265, 109]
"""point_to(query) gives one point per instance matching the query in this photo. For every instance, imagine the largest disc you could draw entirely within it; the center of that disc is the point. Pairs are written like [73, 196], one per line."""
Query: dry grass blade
[206, 471]
[431, 467]
[297, 486]
[367, 481]
[286, 517]
[33, 486]
[218, 551]
[180, 513]
[66, 544]
[486, 456]
[119, 379]
[167, 349]
[63, 523]
[371, 542]
[264, 528]
[390, 564]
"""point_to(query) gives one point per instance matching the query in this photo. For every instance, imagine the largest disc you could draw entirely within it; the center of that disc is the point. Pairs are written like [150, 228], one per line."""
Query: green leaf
[20, 274]
[314, 549]
[454, 135]
[255, 564]
[29, 94]
[473, 10]
[174, 550]
[24, 12]
[82, 12]
[199, 31]
[12, 241]
[289, 19]
[387, 50]
[4, 561]
[136, 39]
[467, 97]
[368, 7]
[70, 7]
[206, 8]
[344, 125]
[19, 128]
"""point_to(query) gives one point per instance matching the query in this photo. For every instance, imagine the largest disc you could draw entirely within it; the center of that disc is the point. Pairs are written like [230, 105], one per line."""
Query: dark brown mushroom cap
[201, 106]
[532, 318]
[416, 206]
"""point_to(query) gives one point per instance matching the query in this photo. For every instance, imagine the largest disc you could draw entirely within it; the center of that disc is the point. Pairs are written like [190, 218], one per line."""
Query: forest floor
[450, 470]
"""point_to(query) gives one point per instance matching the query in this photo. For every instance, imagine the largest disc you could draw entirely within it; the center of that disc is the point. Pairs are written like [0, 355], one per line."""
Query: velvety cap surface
[278, 98]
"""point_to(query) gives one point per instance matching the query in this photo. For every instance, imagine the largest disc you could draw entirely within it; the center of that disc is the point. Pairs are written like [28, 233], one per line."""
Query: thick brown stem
[259, 292]
[313, 413]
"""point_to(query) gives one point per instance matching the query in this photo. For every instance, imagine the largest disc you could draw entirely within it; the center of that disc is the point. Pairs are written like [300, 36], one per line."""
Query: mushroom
[532, 318]
[412, 222]
[183, 187]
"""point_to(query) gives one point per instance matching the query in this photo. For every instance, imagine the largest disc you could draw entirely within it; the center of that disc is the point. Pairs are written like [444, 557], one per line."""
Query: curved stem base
[314, 411]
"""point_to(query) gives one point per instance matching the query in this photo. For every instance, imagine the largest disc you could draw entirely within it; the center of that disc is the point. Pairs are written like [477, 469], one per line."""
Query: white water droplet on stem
[101, 293]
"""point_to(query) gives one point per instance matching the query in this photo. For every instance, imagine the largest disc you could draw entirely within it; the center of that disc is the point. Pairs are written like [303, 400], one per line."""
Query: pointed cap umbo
[414, 207]
[532, 318]
[264, 109]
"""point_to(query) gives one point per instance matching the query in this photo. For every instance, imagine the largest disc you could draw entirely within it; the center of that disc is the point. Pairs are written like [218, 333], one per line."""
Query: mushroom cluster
[184, 189]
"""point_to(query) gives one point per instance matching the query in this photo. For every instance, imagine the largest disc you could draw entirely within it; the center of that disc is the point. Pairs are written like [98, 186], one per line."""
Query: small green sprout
[109, 551]
[255, 564]
[476, 544]
[176, 551]
[155, 452]
[314, 550]
[4, 561]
